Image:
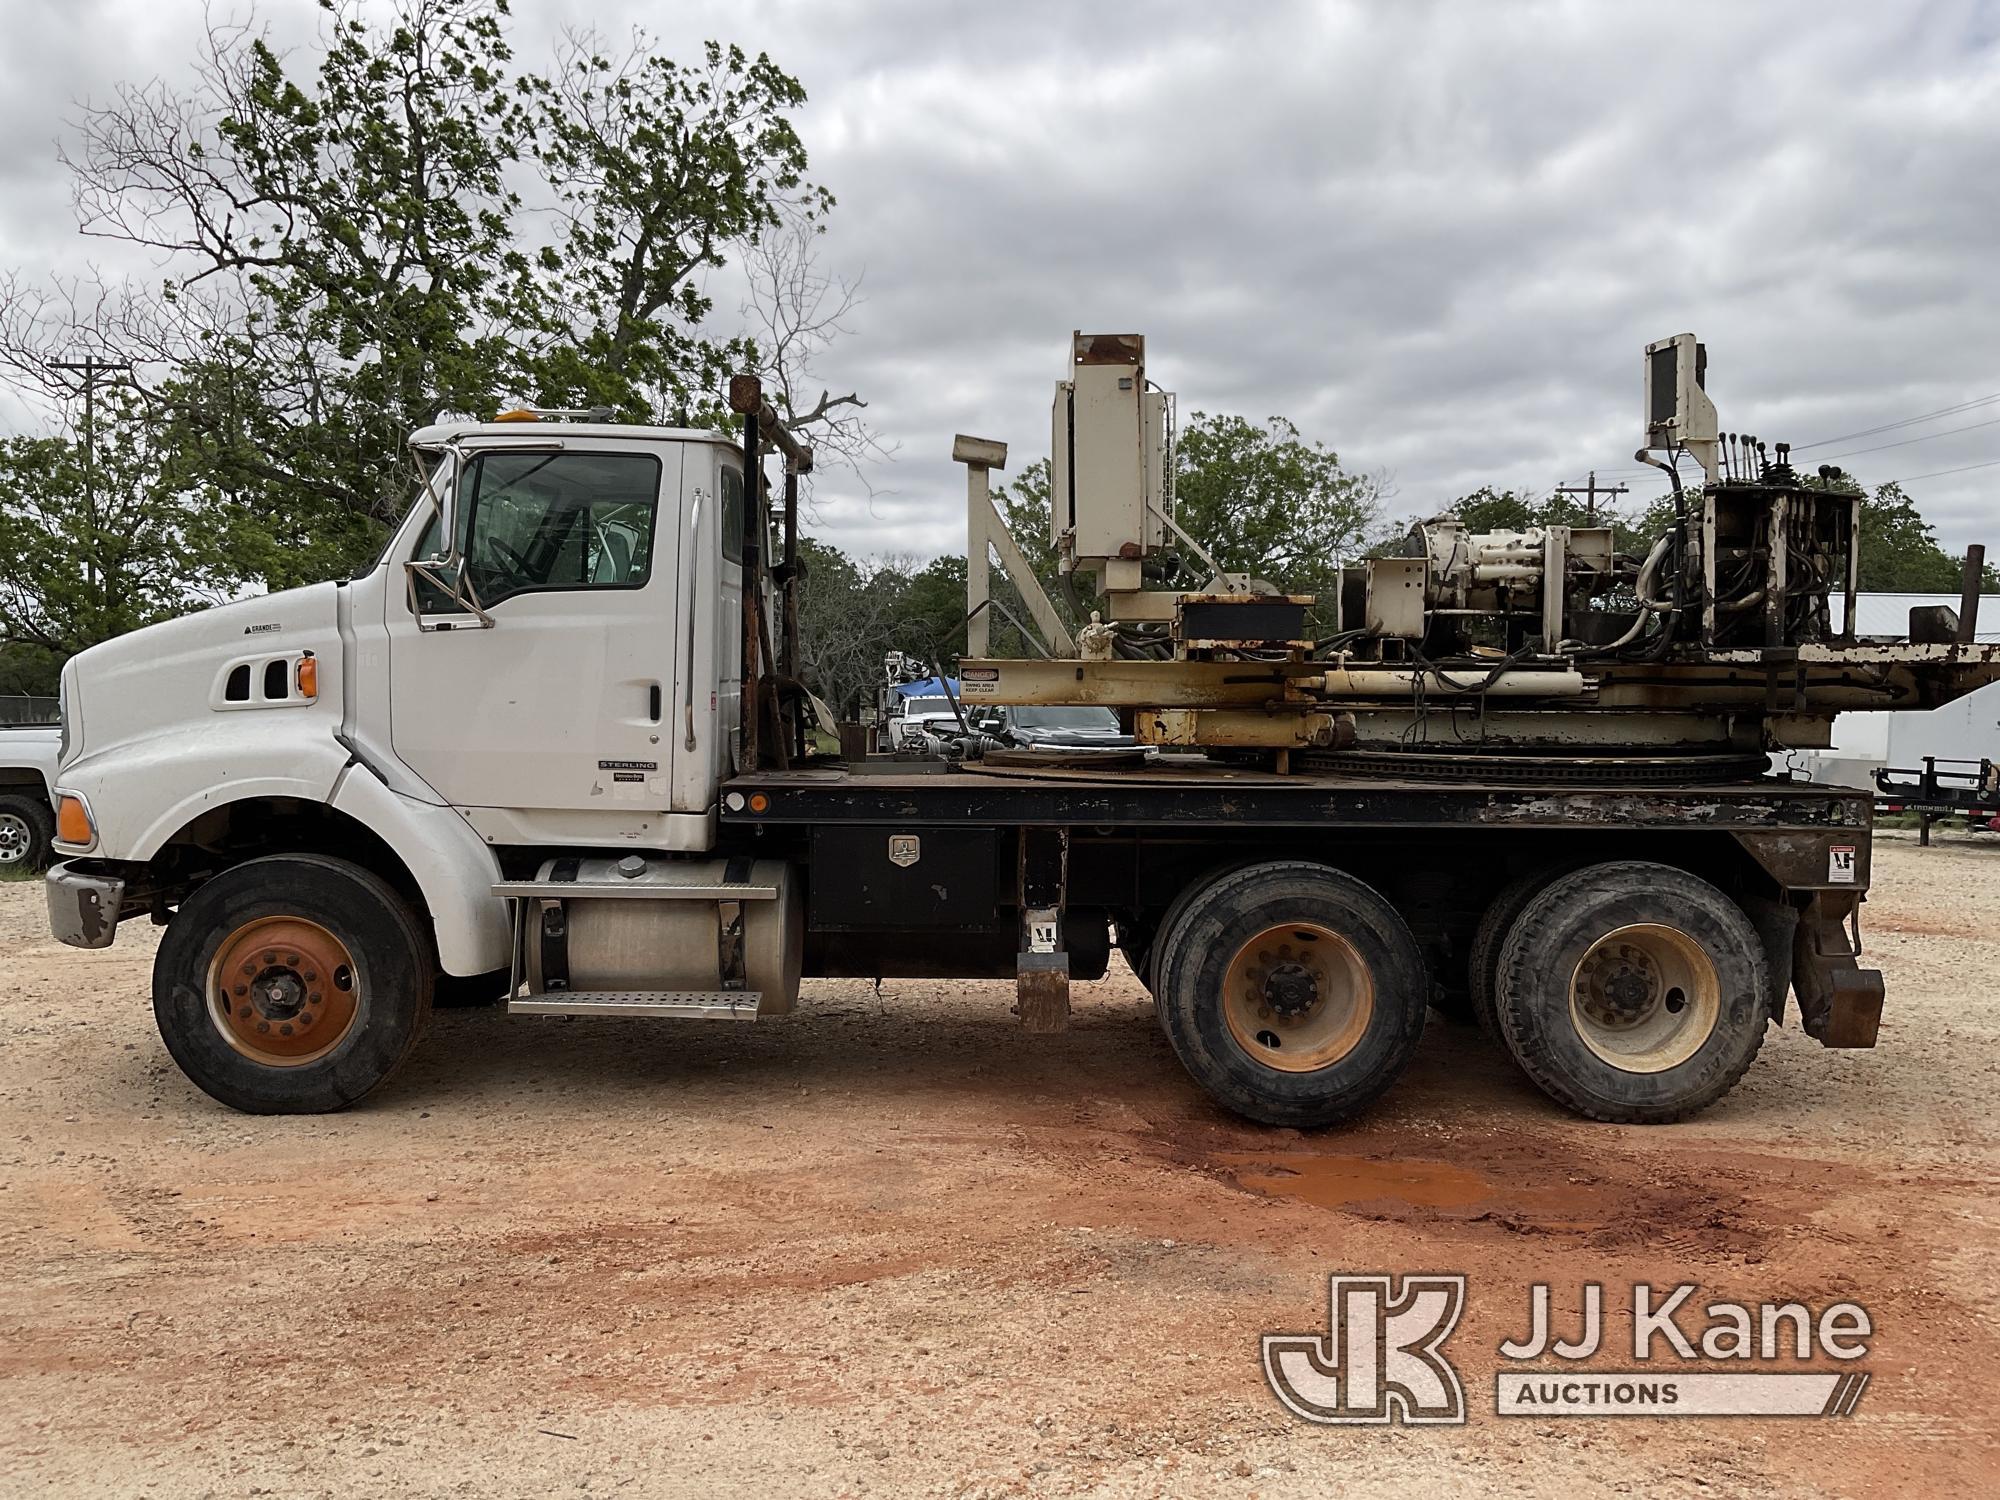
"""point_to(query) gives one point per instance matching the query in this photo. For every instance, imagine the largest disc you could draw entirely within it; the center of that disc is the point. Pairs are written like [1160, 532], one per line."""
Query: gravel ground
[889, 1246]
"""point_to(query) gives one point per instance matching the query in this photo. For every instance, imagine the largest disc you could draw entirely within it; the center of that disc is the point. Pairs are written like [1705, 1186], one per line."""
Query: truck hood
[171, 675]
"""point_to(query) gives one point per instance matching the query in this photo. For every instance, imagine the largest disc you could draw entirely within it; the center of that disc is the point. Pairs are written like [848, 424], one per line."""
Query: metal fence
[20, 708]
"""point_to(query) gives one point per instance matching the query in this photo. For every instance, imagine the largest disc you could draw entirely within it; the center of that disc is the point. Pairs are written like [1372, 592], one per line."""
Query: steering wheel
[514, 560]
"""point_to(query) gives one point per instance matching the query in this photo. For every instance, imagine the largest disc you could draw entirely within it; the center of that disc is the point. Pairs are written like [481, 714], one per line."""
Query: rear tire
[1633, 992]
[1293, 993]
[1482, 965]
[27, 830]
[292, 984]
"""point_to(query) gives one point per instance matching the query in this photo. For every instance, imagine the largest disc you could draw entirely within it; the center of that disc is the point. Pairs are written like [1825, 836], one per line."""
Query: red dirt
[892, 1246]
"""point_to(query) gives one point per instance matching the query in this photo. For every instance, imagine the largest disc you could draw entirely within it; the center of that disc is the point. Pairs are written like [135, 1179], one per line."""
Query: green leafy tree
[658, 169]
[1900, 551]
[88, 552]
[408, 225]
[1264, 500]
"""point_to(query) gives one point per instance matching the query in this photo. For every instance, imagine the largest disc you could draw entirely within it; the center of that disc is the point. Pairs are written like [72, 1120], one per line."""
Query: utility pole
[92, 369]
[1590, 493]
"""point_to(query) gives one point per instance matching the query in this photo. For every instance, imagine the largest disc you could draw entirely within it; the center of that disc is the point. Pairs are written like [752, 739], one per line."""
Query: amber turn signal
[308, 677]
[73, 820]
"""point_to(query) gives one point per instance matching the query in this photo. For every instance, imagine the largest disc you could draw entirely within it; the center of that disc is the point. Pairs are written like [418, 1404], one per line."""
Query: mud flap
[1041, 972]
[1041, 992]
[1840, 1003]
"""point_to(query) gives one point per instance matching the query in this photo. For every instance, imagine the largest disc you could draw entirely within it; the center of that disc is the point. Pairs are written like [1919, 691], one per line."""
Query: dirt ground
[891, 1247]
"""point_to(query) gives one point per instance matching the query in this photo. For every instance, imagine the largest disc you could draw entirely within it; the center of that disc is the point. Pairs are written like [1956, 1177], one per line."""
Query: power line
[1911, 478]
[1927, 437]
[1943, 411]
[1940, 473]
[1590, 494]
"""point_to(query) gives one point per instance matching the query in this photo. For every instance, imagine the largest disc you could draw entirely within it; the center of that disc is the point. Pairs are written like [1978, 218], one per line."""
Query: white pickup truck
[28, 756]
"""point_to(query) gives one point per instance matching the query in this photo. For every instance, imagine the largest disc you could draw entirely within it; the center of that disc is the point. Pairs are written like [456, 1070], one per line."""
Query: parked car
[922, 720]
[1058, 727]
[28, 755]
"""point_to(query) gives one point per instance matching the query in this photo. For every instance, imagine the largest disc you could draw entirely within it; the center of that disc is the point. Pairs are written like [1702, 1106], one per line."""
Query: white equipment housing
[1108, 485]
[1678, 411]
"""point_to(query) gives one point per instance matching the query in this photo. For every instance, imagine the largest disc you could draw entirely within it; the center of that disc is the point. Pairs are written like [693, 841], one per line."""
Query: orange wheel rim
[283, 991]
[1297, 997]
[1645, 998]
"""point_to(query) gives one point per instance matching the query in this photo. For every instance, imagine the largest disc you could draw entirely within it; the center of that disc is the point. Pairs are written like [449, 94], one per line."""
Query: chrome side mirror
[444, 570]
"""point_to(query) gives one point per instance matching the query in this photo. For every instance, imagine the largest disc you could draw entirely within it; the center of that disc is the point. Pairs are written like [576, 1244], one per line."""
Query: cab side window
[732, 514]
[535, 522]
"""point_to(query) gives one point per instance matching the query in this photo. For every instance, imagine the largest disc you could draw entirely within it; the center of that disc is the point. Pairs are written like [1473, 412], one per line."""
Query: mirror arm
[455, 588]
[446, 571]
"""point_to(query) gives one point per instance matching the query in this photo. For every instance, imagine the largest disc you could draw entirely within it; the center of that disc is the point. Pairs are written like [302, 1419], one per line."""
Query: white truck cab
[547, 656]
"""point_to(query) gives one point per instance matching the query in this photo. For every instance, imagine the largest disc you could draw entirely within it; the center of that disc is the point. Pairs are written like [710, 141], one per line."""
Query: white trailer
[1965, 729]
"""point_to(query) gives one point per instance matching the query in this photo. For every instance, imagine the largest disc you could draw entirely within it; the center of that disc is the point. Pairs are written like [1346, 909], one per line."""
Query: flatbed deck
[1223, 796]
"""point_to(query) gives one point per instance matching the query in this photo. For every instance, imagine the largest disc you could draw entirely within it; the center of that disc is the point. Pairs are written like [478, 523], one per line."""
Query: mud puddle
[1374, 1185]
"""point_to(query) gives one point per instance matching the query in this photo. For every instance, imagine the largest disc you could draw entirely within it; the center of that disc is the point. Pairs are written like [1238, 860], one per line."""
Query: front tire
[292, 984]
[1293, 993]
[1633, 992]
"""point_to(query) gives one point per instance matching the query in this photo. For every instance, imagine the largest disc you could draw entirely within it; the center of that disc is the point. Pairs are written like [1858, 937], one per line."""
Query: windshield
[1065, 718]
[927, 708]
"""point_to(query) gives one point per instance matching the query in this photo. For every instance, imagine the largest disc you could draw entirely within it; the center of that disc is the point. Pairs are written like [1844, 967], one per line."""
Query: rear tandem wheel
[1293, 993]
[1633, 991]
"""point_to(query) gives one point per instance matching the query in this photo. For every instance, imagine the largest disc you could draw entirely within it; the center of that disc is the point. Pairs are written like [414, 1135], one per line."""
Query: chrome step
[699, 1005]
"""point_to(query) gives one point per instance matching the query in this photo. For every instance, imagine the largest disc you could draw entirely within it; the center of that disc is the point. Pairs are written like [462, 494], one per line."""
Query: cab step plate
[700, 1005]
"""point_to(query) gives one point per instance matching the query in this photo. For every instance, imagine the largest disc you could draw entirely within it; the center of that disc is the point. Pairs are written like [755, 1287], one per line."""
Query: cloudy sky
[1436, 236]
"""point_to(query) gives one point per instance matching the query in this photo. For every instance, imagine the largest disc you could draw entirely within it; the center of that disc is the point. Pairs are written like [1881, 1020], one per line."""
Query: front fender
[450, 863]
[145, 791]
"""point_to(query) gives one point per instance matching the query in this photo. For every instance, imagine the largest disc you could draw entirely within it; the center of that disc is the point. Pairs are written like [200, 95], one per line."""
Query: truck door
[556, 714]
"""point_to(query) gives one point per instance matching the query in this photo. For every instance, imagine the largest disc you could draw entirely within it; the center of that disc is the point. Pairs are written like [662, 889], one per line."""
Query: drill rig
[1485, 655]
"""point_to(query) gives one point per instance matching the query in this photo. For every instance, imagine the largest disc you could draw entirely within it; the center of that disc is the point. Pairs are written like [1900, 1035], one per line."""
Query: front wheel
[292, 984]
[1633, 992]
[1293, 993]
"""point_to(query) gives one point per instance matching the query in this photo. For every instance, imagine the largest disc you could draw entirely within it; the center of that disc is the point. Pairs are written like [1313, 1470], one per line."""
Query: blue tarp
[928, 687]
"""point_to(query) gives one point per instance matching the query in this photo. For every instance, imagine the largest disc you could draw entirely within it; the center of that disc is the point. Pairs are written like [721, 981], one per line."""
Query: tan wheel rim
[1297, 997]
[1645, 998]
[283, 991]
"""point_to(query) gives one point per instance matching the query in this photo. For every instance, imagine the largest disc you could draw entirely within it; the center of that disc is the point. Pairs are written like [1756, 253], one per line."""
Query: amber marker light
[308, 677]
[73, 825]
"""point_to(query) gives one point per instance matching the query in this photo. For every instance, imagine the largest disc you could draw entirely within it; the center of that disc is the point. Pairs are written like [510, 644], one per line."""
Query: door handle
[653, 701]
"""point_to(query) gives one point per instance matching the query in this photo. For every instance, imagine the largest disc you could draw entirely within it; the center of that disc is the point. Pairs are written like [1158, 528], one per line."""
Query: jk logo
[1380, 1360]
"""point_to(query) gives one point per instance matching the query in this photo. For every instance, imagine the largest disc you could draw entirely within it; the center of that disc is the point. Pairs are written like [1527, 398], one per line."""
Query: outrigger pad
[1840, 1002]
[1855, 1014]
[1041, 990]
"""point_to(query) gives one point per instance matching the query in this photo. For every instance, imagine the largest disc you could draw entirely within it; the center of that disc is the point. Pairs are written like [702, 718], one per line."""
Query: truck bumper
[83, 908]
